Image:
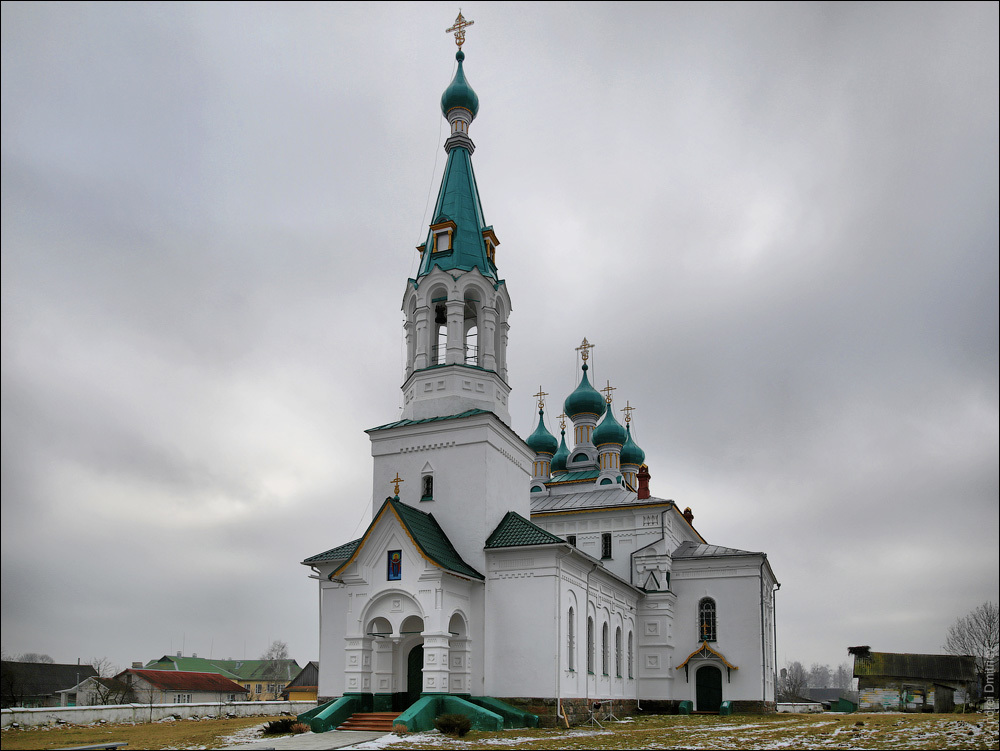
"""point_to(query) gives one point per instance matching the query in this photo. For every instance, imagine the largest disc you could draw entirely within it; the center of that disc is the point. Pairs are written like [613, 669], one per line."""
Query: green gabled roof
[343, 551]
[458, 201]
[581, 476]
[514, 530]
[426, 534]
[401, 423]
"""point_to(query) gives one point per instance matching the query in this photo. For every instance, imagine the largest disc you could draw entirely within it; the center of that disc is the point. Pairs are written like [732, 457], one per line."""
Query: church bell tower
[456, 308]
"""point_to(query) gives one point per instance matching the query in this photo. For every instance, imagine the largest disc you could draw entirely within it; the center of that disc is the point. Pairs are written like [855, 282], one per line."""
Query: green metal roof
[926, 667]
[542, 441]
[609, 431]
[562, 454]
[585, 399]
[459, 93]
[401, 423]
[514, 530]
[426, 534]
[335, 554]
[236, 670]
[458, 201]
[581, 476]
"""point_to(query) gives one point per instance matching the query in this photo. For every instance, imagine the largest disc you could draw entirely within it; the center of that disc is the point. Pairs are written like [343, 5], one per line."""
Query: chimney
[137, 665]
[194, 654]
[688, 515]
[643, 476]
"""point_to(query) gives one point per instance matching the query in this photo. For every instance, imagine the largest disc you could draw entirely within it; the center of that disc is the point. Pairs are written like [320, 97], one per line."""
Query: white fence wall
[140, 713]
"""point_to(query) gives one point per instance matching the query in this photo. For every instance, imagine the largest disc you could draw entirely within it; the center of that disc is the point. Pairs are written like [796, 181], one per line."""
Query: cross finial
[541, 397]
[562, 421]
[459, 29]
[628, 409]
[607, 391]
[584, 349]
[397, 479]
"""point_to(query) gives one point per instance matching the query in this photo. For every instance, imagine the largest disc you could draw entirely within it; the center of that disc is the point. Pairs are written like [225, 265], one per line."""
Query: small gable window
[706, 619]
[427, 489]
[394, 565]
[571, 539]
[606, 545]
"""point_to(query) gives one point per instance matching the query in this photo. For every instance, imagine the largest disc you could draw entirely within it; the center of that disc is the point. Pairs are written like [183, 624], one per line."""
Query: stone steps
[379, 722]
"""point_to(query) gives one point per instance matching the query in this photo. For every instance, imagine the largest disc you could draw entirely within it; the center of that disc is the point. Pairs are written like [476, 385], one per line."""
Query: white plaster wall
[734, 583]
[481, 471]
[333, 629]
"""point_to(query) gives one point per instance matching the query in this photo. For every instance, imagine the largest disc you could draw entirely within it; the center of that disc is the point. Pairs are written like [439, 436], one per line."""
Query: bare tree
[793, 681]
[819, 676]
[843, 677]
[976, 634]
[107, 688]
[34, 657]
[276, 669]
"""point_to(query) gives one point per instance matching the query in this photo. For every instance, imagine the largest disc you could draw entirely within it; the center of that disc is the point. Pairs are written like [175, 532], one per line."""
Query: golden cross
[628, 409]
[585, 347]
[459, 29]
[397, 479]
[607, 391]
[541, 397]
[562, 420]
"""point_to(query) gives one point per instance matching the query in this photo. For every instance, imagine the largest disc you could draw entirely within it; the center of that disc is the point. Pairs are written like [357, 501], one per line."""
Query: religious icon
[395, 565]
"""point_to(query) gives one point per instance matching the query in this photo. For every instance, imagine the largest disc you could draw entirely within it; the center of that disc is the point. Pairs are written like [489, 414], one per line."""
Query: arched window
[570, 640]
[707, 628]
[604, 649]
[590, 645]
[440, 339]
[618, 652]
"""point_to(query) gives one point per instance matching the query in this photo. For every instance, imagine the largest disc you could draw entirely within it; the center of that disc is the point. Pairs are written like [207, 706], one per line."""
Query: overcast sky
[778, 224]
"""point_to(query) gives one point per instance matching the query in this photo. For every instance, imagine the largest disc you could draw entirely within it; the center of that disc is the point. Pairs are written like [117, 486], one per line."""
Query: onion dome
[459, 93]
[542, 441]
[585, 399]
[631, 453]
[609, 431]
[561, 456]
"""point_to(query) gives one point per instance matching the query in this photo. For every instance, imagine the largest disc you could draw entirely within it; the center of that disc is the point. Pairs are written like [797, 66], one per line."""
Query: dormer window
[442, 234]
[491, 242]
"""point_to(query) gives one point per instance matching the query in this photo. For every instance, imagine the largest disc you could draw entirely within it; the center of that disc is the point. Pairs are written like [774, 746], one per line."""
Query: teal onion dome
[561, 456]
[542, 441]
[631, 453]
[459, 93]
[610, 431]
[585, 399]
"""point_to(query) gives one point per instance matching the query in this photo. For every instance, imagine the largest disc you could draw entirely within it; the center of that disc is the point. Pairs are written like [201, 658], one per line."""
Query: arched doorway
[708, 689]
[414, 674]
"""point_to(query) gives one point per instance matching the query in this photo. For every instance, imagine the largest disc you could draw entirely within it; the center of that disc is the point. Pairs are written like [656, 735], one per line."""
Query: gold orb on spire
[396, 480]
[541, 397]
[584, 349]
[459, 29]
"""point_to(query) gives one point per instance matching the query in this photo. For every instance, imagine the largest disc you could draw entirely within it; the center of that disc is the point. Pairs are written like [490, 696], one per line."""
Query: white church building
[540, 572]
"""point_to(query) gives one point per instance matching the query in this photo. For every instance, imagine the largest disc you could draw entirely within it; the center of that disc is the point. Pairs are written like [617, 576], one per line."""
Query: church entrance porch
[414, 674]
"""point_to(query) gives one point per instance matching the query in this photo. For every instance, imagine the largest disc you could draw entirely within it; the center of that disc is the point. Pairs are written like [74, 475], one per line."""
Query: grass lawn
[784, 731]
[157, 735]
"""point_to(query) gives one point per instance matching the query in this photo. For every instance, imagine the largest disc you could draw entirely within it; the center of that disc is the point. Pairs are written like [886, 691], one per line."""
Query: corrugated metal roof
[514, 530]
[688, 549]
[566, 478]
[592, 499]
[182, 680]
[335, 554]
[925, 667]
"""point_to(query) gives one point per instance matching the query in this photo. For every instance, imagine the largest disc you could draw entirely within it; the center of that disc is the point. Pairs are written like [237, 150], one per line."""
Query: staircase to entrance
[370, 721]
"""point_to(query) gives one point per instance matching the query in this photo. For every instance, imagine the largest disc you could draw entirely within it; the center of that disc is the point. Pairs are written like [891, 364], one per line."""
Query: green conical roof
[585, 399]
[631, 453]
[561, 456]
[542, 441]
[609, 431]
[459, 93]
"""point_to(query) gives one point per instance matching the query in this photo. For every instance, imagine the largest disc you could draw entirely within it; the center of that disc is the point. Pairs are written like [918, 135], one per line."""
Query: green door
[414, 674]
[708, 689]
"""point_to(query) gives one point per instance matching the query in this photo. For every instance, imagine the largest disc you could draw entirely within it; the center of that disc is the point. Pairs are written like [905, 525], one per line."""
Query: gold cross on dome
[459, 29]
[562, 420]
[607, 391]
[541, 397]
[628, 410]
[397, 479]
[584, 349]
